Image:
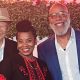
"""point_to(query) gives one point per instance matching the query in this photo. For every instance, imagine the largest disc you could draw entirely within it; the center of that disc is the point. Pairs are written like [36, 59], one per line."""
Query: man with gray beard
[62, 51]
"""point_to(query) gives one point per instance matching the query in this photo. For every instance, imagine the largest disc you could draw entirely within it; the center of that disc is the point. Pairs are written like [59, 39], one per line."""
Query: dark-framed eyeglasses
[55, 15]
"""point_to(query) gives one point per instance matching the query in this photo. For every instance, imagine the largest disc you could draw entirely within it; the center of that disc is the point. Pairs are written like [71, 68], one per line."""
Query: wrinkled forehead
[55, 8]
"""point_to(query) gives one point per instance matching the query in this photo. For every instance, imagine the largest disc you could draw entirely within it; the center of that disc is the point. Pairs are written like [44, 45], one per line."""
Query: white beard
[63, 32]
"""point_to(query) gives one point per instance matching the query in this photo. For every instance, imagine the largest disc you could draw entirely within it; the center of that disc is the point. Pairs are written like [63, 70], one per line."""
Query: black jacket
[10, 50]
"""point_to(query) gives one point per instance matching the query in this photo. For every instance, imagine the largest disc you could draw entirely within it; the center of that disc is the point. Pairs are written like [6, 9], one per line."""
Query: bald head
[56, 7]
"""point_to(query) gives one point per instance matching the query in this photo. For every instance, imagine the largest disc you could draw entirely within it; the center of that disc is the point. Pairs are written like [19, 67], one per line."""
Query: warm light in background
[66, 0]
[78, 1]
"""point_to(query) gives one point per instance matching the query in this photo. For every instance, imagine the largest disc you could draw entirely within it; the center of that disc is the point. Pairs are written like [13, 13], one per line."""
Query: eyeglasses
[55, 15]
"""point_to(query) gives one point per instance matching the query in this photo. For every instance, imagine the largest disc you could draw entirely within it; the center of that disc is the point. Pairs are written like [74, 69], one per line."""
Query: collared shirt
[68, 59]
[2, 50]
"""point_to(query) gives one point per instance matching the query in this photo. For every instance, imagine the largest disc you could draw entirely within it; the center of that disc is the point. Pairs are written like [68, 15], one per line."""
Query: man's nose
[59, 17]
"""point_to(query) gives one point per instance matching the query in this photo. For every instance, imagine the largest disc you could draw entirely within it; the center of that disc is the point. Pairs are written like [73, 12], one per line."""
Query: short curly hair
[25, 26]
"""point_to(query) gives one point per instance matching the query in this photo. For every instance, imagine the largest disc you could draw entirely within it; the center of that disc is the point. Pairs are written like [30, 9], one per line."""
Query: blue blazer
[47, 52]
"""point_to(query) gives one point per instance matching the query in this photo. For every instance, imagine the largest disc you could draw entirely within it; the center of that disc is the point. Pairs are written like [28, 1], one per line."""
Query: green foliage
[37, 14]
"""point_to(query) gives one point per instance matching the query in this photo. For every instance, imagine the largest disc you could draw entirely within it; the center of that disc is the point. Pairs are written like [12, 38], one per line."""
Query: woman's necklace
[34, 70]
[31, 62]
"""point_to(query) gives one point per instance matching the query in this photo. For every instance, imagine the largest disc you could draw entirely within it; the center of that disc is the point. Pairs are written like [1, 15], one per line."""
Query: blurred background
[37, 11]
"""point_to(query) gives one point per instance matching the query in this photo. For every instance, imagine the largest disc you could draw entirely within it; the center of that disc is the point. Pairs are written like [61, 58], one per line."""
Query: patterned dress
[20, 68]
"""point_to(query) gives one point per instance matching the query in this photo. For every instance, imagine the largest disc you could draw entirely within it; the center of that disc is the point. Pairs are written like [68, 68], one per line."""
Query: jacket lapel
[54, 59]
[77, 34]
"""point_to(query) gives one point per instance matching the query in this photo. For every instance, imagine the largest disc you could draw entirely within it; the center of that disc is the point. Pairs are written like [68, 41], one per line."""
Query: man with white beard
[62, 51]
